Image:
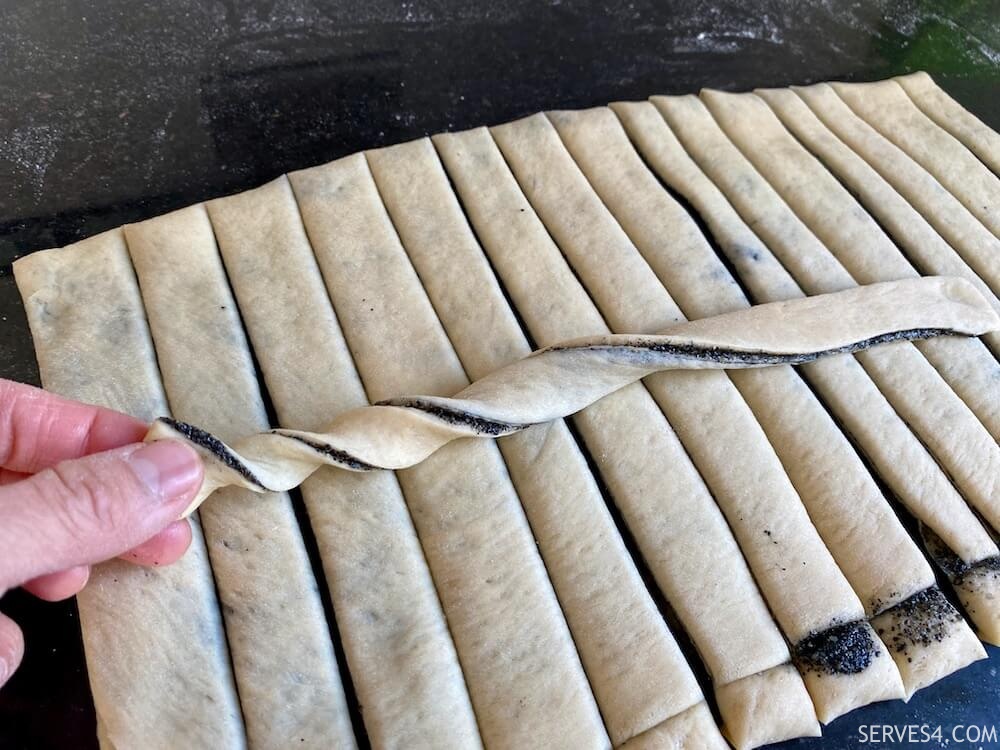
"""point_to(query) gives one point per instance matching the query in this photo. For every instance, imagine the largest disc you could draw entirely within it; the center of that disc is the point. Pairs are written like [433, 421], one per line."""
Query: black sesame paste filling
[213, 445]
[760, 357]
[959, 572]
[340, 456]
[480, 425]
[922, 620]
[842, 649]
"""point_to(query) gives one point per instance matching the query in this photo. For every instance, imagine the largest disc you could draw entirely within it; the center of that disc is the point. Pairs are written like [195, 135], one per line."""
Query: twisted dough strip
[560, 380]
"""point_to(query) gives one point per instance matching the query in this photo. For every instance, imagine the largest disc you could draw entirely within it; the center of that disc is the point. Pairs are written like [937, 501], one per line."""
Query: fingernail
[170, 469]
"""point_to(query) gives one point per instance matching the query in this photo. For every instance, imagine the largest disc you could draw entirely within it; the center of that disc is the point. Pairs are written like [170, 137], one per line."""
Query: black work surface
[116, 111]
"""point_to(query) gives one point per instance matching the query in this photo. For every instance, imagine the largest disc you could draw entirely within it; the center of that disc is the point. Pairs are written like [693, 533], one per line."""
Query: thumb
[93, 508]
[11, 647]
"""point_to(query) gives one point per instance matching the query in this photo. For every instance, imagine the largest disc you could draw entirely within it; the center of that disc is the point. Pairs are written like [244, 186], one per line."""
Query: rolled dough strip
[978, 137]
[796, 573]
[564, 378]
[850, 233]
[136, 621]
[610, 613]
[282, 654]
[974, 242]
[967, 451]
[923, 246]
[900, 459]
[524, 676]
[677, 527]
[885, 106]
[870, 545]
[402, 659]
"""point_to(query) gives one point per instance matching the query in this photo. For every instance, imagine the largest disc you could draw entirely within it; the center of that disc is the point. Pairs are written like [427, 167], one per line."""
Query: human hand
[77, 487]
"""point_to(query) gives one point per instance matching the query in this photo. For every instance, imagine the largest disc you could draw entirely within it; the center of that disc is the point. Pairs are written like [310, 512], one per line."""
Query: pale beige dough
[102, 354]
[402, 660]
[185, 238]
[901, 460]
[968, 452]
[978, 137]
[977, 585]
[524, 676]
[974, 242]
[611, 615]
[928, 639]
[678, 528]
[754, 706]
[694, 728]
[283, 657]
[798, 576]
[885, 105]
[924, 247]
[851, 235]
[870, 545]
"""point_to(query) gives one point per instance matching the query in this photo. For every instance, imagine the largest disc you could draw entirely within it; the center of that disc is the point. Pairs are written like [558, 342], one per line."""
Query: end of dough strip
[977, 584]
[563, 379]
[927, 638]
[766, 707]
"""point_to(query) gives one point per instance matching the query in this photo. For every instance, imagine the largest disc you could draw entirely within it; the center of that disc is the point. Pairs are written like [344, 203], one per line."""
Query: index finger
[39, 429]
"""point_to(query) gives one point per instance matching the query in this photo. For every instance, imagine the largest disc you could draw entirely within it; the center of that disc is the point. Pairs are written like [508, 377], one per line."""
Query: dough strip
[566, 377]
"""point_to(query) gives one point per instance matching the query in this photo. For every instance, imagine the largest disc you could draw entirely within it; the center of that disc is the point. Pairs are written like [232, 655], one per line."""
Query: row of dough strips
[822, 537]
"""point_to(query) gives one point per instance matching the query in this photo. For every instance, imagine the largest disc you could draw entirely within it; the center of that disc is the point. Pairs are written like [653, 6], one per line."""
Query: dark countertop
[116, 111]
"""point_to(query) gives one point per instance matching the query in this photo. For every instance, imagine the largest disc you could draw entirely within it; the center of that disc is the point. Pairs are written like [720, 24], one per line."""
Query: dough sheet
[799, 579]
[520, 580]
[885, 105]
[974, 242]
[923, 246]
[851, 234]
[610, 613]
